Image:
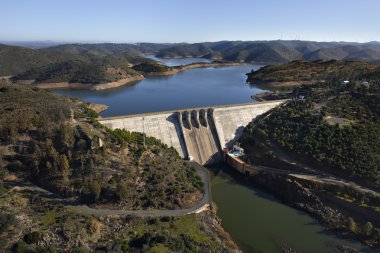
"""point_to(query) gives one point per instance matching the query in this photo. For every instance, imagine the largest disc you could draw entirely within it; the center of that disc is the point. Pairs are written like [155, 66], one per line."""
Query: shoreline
[86, 86]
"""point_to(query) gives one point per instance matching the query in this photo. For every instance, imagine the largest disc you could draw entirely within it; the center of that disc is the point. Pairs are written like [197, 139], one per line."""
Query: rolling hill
[279, 51]
[15, 60]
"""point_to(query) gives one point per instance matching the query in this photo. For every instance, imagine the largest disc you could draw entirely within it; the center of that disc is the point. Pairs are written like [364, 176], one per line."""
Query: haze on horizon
[189, 21]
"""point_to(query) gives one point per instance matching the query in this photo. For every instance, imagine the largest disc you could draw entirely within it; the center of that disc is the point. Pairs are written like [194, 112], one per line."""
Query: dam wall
[230, 121]
[198, 133]
[163, 126]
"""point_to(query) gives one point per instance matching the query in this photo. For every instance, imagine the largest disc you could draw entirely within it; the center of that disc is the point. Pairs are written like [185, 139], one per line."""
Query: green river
[259, 222]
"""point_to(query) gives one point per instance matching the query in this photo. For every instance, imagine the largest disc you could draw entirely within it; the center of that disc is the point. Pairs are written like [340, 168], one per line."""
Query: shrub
[94, 227]
[6, 220]
[95, 189]
[32, 237]
[367, 228]
[19, 247]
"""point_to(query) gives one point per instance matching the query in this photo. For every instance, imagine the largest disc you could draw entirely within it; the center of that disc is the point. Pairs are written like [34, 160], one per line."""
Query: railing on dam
[200, 133]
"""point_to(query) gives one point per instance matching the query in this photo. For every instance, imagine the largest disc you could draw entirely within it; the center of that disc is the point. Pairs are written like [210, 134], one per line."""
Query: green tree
[64, 166]
[351, 224]
[367, 228]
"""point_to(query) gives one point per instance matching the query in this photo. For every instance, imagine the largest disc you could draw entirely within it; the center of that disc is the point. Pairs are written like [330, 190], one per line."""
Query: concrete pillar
[181, 135]
[195, 114]
[179, 116]
[203, 117]
[188, 118]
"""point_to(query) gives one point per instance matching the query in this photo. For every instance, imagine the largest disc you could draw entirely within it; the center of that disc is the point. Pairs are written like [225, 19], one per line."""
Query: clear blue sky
[189, 20]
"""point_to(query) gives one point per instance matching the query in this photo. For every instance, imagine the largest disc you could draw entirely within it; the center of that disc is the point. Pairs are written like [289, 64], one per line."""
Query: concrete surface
[198, 132]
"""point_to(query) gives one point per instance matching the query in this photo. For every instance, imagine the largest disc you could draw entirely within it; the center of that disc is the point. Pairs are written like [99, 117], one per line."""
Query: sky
[189, 20]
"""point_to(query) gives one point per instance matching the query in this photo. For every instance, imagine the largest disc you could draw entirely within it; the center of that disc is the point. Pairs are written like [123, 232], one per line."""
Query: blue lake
[187, 89]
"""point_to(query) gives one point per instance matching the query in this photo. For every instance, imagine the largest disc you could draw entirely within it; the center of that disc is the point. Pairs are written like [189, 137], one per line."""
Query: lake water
[187, 89]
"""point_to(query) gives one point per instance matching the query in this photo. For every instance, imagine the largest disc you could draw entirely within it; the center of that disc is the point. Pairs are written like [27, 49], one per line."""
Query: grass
[158, 249]
[355, 201]
[187, 225]
[49, 218]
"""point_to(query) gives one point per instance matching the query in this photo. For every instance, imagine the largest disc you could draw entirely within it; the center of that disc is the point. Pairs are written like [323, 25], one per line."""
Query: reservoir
[186, 89]
[257, 221]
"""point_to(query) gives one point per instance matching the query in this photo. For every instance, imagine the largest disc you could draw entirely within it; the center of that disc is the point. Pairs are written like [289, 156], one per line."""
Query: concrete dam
[200, 133]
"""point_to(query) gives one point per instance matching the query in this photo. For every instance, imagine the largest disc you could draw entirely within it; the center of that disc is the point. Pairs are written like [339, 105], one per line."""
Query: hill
[14, 60]
[279, 51]
[197, 50]
[56, 143]
[301, 72]
[107, 49]
[84, 72]
[54, 131]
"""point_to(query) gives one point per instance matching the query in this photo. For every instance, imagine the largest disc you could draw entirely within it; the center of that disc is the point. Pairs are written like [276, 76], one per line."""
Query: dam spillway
[200, 133]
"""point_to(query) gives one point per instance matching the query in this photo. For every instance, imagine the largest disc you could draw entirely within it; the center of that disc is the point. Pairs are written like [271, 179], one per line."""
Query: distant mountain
[187, 50]
[275, 51]
[33, 44]
[106, 49]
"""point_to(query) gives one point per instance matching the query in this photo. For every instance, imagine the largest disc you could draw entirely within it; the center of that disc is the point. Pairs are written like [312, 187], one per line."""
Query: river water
[259, 222]
[255, 219]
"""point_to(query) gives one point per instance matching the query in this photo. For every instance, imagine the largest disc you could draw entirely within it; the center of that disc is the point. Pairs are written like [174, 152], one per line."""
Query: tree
[351, 225]
[64, 166]
[122, 191]
[95, 189]
[367, 228]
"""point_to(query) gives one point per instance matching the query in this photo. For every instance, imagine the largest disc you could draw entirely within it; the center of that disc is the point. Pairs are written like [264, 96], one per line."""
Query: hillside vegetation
[335, 128]
[317, 71]
[15, 60]
[47, 138]
[87, 72]
[56, 143]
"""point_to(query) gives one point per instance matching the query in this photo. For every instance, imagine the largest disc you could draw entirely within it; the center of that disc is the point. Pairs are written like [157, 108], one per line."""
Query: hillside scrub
[54, 140]
[350, 147]
[315, 71]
